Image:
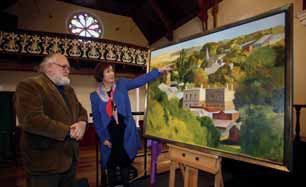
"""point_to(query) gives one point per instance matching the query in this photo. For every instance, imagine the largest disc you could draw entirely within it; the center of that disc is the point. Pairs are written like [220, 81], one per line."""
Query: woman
[113, 118]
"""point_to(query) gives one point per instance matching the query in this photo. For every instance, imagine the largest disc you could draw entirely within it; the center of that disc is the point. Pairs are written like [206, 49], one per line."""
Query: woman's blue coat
[122, 100]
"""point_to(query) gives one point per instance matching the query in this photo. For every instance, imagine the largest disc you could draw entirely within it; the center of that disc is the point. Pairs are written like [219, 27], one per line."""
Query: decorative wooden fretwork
[41, 43]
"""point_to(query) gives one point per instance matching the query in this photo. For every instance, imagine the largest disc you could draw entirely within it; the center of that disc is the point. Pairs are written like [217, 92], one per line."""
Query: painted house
[232, 115]
[170, 91]
[201, 111]
[268, 39]
[193, 97]
[221, 98]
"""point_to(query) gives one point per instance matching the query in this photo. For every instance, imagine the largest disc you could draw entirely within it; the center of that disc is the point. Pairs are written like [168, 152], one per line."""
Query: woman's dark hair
[99, 70]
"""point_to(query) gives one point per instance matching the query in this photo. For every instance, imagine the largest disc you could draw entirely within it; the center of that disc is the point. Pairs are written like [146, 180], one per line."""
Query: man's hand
[77, 130]
[107, 143]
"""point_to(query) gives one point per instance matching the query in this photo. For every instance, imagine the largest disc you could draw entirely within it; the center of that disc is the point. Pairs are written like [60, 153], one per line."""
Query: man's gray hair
[51, 58]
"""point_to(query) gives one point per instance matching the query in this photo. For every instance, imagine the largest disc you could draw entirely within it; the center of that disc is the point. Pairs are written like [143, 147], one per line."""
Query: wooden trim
[29, 44]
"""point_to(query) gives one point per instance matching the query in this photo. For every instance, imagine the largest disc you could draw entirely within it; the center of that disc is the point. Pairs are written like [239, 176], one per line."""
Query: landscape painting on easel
[229, 92]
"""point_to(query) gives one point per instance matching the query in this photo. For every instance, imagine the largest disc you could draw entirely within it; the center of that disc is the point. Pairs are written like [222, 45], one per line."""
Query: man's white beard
[59, 80]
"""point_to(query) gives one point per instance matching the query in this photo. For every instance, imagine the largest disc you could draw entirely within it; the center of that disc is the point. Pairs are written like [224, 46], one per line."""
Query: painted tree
[261, 133]
[256, 87]
[186, 67]
[200, 78]
[213, 134]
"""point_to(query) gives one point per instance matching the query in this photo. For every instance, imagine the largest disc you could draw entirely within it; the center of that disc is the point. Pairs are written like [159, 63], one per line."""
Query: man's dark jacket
[45, 117]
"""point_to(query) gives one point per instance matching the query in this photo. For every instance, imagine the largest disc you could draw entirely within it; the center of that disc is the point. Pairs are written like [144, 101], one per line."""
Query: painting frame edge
[287, 165]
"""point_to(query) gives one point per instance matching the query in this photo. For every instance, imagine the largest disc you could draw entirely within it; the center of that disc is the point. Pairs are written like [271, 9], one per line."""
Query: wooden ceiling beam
[203, 13]
[6, 3]
[173, 3]
[215, 11]
[204, 6]
[164, 18]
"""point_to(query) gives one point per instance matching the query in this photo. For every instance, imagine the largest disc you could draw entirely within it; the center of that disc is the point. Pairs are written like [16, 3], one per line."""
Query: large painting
[230, 91]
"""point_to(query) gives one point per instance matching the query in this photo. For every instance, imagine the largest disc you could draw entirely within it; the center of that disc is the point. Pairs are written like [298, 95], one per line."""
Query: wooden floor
[13, 176]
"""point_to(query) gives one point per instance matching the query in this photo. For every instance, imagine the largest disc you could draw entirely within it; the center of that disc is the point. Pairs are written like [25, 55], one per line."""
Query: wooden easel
[190, 161]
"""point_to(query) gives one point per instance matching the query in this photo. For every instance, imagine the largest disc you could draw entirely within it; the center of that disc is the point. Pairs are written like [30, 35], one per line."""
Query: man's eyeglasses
[63, 66]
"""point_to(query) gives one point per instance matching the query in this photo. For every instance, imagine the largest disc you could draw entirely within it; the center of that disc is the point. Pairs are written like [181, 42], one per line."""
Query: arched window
[84, 24]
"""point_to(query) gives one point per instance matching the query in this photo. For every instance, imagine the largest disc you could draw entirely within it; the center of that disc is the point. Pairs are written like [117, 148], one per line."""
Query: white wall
[82, 84]
[51, 16]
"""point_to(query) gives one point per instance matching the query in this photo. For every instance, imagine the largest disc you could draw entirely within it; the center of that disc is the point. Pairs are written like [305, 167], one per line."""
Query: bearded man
[52, 120]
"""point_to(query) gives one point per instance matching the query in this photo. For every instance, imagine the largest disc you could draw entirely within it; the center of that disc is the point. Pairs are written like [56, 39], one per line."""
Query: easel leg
[172, 174]
[219, 179]
[193, 177]
[189, 162]
[186, 176]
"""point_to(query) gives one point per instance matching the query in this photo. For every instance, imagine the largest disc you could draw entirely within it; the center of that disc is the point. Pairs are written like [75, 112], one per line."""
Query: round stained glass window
[84, 24]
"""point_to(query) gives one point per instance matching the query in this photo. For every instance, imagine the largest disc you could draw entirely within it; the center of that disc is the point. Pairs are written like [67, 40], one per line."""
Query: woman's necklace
[102, 91]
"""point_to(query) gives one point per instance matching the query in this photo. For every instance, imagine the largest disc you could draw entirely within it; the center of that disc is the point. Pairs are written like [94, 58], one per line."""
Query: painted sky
[248, 28]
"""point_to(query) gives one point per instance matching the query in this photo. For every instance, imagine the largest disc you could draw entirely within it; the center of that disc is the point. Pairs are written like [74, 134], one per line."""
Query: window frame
[77, 14]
